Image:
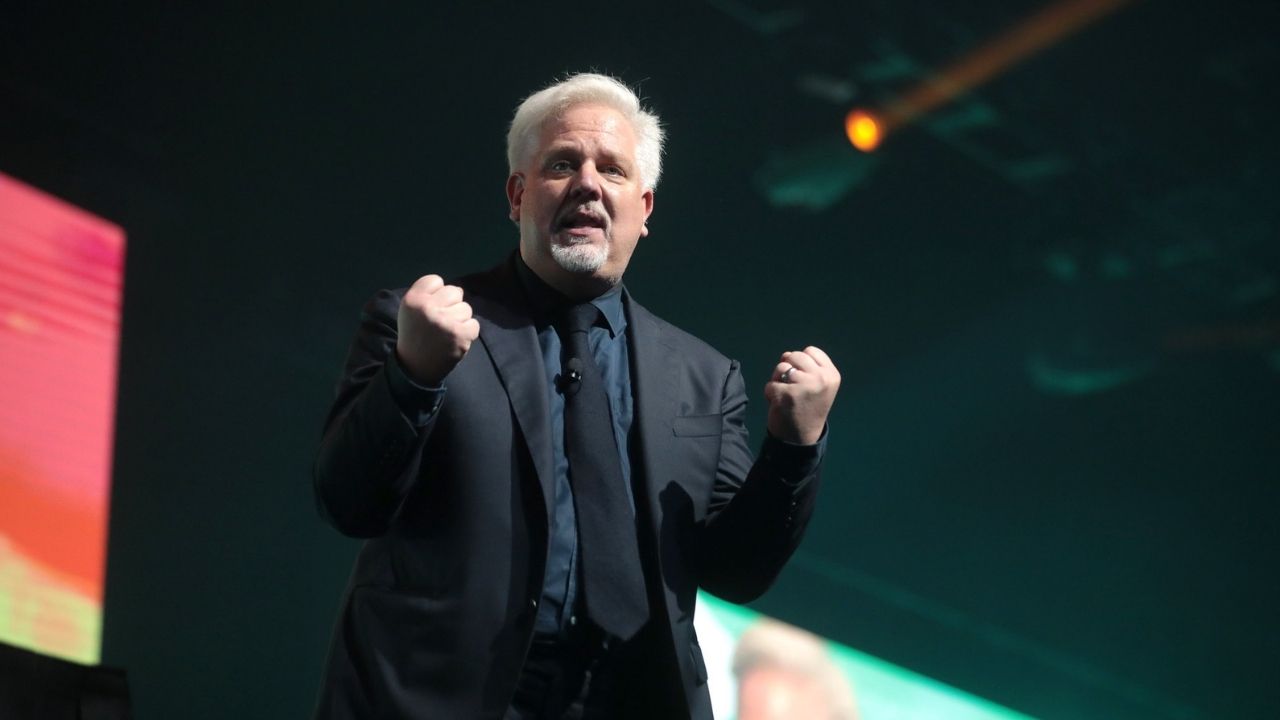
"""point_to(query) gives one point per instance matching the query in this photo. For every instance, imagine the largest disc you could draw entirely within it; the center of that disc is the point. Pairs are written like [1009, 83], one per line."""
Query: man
[545, 471]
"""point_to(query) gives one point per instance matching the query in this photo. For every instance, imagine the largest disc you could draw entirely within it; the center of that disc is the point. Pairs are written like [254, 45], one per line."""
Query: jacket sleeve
[759, 509]
[371, 449]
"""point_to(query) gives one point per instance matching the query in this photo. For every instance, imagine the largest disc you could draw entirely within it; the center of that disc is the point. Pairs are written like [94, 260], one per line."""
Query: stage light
[863, 130]
[1041, 30]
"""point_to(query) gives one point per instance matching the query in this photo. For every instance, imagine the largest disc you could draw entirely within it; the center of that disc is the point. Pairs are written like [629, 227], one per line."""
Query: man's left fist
[800, 394]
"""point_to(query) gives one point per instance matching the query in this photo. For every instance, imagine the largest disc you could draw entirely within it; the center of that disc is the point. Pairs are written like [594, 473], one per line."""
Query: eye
[560, 166]
[614, 170]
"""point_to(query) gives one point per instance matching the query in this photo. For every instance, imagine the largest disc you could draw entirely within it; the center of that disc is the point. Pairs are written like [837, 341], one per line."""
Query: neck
[579, 287]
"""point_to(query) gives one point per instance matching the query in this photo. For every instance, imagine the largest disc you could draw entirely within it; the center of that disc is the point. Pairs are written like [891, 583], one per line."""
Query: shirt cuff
[793, 463]
[417, 403]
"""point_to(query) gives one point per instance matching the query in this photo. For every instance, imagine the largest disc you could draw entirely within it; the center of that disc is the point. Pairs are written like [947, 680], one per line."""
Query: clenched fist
[435, 330]
[800, 393]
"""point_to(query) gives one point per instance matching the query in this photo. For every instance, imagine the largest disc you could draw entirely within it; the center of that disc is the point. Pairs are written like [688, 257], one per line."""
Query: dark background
[1055, 302]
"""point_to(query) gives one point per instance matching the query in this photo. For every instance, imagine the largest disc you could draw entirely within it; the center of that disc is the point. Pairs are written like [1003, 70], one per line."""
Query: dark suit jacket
[440, 607]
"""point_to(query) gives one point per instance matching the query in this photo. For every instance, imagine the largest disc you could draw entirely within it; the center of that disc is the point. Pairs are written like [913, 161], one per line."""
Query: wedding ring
[786, 376]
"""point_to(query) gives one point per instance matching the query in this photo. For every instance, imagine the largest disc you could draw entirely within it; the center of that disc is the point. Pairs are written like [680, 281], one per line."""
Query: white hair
[587, 89]
[776, 645]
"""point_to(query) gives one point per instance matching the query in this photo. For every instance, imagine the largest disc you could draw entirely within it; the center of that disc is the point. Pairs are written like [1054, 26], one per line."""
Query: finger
[785, 374]
[458, 311]
[816, 353]
[428, 284]
[802, 360]
[446, 295]
[779, 369]
[469, 329]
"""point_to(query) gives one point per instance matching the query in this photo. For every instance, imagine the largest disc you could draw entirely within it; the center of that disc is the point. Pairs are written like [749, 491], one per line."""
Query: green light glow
[39, 613]
[884, 691]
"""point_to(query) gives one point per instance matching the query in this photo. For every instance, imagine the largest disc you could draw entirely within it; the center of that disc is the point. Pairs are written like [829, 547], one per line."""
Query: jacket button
[533, 603]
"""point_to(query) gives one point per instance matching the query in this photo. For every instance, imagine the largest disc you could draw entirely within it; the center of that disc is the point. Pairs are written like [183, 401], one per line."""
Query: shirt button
[573, 620]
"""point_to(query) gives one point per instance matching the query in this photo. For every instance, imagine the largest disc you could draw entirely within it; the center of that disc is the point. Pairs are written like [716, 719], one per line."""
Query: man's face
[767, 693]
[579, 201]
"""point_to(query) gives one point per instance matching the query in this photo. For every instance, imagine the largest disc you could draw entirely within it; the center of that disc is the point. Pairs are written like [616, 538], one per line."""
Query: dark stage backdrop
[1055, 302]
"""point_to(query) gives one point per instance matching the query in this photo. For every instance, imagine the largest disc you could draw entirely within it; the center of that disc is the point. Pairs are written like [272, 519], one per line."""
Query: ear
[647, 197]
[515, 194]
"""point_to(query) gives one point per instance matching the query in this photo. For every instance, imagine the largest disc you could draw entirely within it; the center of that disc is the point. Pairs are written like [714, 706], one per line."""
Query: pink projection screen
[61, 277]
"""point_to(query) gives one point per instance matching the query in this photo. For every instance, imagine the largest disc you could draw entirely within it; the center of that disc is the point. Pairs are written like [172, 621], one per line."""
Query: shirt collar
[546, 301]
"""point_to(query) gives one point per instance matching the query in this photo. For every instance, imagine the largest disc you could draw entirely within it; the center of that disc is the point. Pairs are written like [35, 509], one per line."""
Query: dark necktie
[613, 581]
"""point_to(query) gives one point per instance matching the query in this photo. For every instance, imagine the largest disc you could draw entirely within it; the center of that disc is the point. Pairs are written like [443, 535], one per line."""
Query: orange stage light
[863, 130]
[1028, 37]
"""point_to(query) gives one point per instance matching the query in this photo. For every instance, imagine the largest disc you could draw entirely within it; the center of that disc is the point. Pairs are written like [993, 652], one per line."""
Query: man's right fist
[435, 330]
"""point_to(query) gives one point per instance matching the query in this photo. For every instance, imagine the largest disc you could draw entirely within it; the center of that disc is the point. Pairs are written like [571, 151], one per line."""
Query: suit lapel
[655, 373]
[509, 335]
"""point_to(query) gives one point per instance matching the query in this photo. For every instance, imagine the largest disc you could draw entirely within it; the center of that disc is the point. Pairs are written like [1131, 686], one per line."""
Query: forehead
[592, 126]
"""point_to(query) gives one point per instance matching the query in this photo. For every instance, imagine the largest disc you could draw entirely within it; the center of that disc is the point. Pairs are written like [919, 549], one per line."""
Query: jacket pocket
[697, 425]
[699, 665]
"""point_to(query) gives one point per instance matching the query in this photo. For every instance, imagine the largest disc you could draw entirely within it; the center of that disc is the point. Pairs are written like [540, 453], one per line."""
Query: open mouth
[582, 220]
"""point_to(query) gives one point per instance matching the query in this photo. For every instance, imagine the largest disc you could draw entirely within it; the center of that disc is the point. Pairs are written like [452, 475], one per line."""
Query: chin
[580, 259]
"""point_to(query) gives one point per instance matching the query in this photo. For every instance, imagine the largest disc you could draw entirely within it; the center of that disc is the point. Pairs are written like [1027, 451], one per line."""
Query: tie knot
[578, 318]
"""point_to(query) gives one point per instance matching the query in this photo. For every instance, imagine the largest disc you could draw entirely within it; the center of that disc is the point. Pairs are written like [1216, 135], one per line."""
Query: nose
[586, 183]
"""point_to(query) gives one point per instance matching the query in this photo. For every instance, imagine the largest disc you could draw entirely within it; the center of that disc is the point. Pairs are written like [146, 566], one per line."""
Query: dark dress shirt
[608, 342]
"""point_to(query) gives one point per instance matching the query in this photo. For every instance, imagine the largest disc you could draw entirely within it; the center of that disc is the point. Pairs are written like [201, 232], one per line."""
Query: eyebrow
[572, 149]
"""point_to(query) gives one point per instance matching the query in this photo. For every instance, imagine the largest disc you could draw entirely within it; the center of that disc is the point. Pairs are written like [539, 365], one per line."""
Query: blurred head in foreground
[785, 673]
